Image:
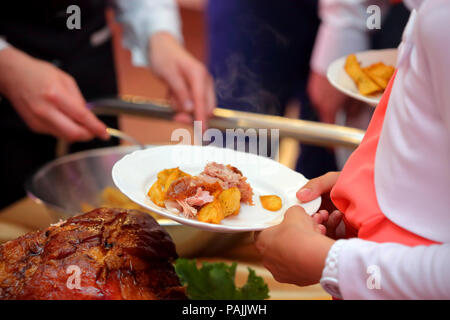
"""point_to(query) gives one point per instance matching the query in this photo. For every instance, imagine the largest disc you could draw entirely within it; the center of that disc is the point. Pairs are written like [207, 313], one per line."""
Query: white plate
[136, 172]
[341, 80]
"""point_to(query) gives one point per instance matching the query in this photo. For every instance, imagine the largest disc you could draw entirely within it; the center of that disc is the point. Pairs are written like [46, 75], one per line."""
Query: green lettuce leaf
[216, 281]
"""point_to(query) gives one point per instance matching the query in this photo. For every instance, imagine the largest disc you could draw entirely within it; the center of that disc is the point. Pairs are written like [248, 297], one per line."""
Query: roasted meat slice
[187, 194]
[190, 187]
[103, 254]
[228, 177]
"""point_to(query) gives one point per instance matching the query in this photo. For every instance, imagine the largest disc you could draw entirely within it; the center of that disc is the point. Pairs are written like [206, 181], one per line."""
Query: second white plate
[341, 80]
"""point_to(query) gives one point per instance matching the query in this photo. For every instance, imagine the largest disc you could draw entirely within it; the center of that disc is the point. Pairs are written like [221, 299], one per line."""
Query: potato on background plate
[365, 84]
[380, 73]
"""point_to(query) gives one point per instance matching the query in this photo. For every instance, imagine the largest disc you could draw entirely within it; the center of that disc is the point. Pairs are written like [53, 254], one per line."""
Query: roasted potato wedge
[230, 200]
[171, 178]
[211, 213]
[365, 84]
[380, 73]
[271, 202]
[156, 194]
[164, 175]
[167, 176]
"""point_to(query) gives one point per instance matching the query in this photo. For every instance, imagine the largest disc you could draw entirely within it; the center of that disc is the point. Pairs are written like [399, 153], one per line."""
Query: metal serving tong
[310, 132]
[122, 135]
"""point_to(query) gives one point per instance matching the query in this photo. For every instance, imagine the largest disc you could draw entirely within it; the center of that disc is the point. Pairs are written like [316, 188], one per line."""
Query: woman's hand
[295, 250]
[320, 186]
[317, 187]
[46, 98]
[190, 85]
[328, 223]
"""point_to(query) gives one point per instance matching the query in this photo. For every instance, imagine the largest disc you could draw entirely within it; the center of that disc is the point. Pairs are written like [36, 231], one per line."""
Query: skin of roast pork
[102, 254]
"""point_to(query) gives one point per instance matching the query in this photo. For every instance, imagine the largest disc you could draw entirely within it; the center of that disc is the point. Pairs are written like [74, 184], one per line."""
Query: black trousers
[23, 151]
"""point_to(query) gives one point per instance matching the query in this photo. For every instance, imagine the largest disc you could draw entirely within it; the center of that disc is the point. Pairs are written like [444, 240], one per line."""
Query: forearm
[317, 253]
[10, 59]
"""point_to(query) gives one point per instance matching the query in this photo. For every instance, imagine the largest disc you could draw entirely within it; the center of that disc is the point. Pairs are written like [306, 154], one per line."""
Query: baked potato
[271, 202]
[156, 194]
[211, 212]
[230, 200]
[365, 84]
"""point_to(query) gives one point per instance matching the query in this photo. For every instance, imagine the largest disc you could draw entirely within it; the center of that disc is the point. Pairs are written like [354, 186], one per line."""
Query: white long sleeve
[404, 272]
[411, 172]
[343, 30]
[3, 43]
[140, 19]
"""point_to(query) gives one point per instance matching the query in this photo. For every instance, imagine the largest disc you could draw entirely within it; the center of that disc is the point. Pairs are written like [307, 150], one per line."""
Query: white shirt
[412, 170]
[344, 29]
[140, 19]
[412, 163]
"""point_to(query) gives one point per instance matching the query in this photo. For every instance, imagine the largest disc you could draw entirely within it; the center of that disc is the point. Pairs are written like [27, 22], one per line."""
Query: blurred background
[141, 82]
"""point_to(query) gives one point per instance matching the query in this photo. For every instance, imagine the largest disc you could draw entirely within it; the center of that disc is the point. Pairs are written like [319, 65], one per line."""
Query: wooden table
[25, 216]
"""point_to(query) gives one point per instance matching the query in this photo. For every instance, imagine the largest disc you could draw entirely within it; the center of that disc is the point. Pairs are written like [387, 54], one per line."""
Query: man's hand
[325, 98]
[47, 98]
[295, 250]
[191, 86]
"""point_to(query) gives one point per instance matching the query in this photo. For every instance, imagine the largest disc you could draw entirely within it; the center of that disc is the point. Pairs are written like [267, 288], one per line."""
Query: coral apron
[354, 193]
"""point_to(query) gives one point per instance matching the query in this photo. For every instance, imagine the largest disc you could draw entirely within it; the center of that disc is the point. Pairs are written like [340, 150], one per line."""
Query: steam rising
[240, 88]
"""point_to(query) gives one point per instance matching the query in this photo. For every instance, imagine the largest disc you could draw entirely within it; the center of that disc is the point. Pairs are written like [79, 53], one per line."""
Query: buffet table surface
[25, 216]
